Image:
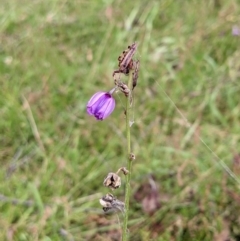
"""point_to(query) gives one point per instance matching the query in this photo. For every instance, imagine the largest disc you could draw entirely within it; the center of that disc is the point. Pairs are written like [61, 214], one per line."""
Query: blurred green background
[55, 54]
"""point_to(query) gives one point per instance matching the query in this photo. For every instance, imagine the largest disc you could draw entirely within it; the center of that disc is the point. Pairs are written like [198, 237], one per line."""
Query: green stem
[129, 162]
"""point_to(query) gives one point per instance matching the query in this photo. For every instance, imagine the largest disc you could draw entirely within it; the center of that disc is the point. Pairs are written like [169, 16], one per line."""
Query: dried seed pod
[110, 203]
[112, 180]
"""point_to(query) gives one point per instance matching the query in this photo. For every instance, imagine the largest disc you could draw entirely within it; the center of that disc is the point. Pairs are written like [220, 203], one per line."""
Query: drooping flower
[101, 105]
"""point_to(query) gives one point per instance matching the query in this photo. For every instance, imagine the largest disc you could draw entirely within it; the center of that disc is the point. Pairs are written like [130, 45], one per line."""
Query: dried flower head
[125, 60]
[101, 105]
[125, 65]
[112, 180]
[122, 87]
[110, 203]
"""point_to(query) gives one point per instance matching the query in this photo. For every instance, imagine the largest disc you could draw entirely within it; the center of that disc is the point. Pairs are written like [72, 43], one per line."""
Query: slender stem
[129, 162]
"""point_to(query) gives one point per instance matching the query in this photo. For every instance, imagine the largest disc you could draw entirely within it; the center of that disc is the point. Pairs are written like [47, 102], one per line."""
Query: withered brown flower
[110, 203]
[112, 180]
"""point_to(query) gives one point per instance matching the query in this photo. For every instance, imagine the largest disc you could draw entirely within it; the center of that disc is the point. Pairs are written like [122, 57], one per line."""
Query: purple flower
[101, 105]
[235, 31]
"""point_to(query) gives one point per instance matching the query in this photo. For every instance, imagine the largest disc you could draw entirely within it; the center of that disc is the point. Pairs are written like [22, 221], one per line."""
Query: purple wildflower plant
[101, 104]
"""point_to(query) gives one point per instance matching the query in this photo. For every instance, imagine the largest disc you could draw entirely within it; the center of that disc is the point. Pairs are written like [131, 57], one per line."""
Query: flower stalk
[101, 105]
[129, 161]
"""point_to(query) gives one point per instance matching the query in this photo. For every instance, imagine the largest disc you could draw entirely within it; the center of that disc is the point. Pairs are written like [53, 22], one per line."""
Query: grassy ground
[55, 54]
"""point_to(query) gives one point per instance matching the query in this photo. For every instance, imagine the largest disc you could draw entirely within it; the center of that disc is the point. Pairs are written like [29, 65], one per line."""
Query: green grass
[54, 55]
